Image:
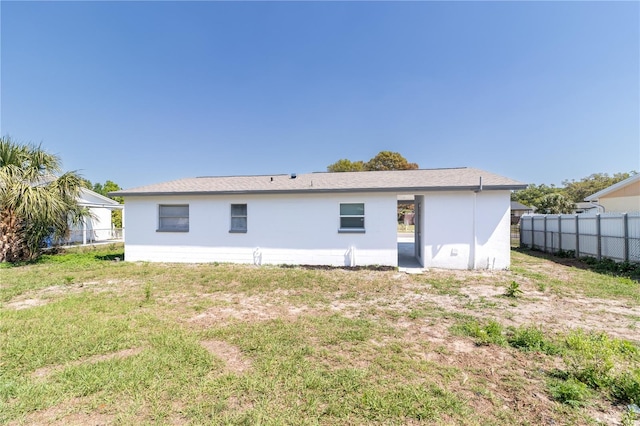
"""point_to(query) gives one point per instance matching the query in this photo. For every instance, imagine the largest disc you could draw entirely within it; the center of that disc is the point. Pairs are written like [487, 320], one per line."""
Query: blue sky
[144, 92]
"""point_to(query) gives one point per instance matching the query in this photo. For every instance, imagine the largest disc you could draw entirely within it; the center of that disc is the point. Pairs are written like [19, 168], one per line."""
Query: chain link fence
[614, 236]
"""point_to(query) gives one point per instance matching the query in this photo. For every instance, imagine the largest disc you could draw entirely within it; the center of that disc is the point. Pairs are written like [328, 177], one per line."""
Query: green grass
[593, 361]
[106, 341]
[587, 282]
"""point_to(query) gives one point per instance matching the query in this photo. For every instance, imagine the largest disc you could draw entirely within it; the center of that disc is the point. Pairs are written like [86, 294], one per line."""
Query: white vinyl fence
[614, 236]
[88, 236]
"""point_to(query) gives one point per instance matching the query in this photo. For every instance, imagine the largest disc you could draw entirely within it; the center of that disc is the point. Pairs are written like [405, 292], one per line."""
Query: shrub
[605, 363]
[513, 290]
[626, 387]
[590, 359]
[491, 332]
[570, 392]
[531, 338]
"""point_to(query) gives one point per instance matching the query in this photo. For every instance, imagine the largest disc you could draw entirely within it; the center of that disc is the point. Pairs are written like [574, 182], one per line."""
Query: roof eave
[323, 191]
[106, 206]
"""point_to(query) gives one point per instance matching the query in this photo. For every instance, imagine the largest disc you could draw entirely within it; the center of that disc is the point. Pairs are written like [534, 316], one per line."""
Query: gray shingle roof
[383, 181]
[519, 206]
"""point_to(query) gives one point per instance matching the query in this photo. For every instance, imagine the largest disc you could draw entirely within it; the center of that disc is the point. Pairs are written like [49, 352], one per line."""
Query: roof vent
[293, 175]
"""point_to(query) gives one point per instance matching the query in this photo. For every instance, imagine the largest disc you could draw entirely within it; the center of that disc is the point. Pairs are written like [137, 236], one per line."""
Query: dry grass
[86, 340]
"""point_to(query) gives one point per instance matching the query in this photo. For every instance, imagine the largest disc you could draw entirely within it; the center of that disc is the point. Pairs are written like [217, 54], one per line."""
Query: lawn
[86, 338]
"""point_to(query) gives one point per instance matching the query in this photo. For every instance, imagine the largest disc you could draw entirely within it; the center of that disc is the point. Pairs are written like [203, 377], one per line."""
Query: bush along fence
[614, 236]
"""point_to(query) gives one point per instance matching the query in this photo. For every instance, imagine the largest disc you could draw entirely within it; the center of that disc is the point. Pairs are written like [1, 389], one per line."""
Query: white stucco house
[98, 226]
[340, 219]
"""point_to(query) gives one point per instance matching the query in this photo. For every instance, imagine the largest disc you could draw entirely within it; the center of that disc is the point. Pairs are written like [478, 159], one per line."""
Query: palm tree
[34, 202]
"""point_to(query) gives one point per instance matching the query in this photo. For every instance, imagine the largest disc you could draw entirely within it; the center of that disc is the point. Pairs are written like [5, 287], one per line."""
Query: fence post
[533, 234]
[599, 235]
[559, 232]
[577, 237]
[625, 225]
[544, 229]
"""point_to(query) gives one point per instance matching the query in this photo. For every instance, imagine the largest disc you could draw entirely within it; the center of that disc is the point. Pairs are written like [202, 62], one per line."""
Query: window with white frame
[173, 218]
[238, 218]
[351, 217]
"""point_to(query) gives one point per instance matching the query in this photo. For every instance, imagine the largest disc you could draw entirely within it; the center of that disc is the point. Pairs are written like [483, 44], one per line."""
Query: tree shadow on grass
[110, 257]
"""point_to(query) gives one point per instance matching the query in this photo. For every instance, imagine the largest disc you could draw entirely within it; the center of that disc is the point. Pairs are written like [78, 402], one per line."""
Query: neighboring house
[339, 219]
[98, 226]
[406, 207]
[622, 197]
[517, 210]
[585, 208]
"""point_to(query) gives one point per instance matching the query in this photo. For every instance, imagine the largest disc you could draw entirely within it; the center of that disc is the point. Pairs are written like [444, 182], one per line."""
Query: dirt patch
[558, 313]
[43, 372]
[233, 307]
[69, 413]
[231, 355]
[25, 304]
[561, 314]
[48, 294]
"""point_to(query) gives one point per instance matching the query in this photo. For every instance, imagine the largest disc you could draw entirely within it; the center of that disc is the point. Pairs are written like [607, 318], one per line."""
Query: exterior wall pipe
[474, 246]
[598, 206]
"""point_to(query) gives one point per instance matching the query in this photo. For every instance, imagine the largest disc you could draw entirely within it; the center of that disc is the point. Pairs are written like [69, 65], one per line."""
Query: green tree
[86, 183]
[116, 215]
[110, 186]
[531, 195]
[344, 165]
[577, 191]
[387, 160]
[554, 203]
[34, 202]
[384, 160]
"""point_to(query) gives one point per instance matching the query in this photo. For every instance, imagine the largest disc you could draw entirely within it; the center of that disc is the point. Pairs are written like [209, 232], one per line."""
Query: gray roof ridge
[407, 170]
[229, 176]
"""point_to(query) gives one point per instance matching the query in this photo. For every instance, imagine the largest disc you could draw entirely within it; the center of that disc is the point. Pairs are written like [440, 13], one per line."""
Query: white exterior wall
[101, 224]
[466, 230]
[98, 227]
[281, 229]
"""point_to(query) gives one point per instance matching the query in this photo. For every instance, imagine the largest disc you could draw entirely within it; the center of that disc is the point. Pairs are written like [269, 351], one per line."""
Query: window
[352, 217]
[173, 218]
[238, 218]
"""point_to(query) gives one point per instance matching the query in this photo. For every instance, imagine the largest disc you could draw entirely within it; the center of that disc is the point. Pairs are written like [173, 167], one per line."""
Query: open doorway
[409, 232]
